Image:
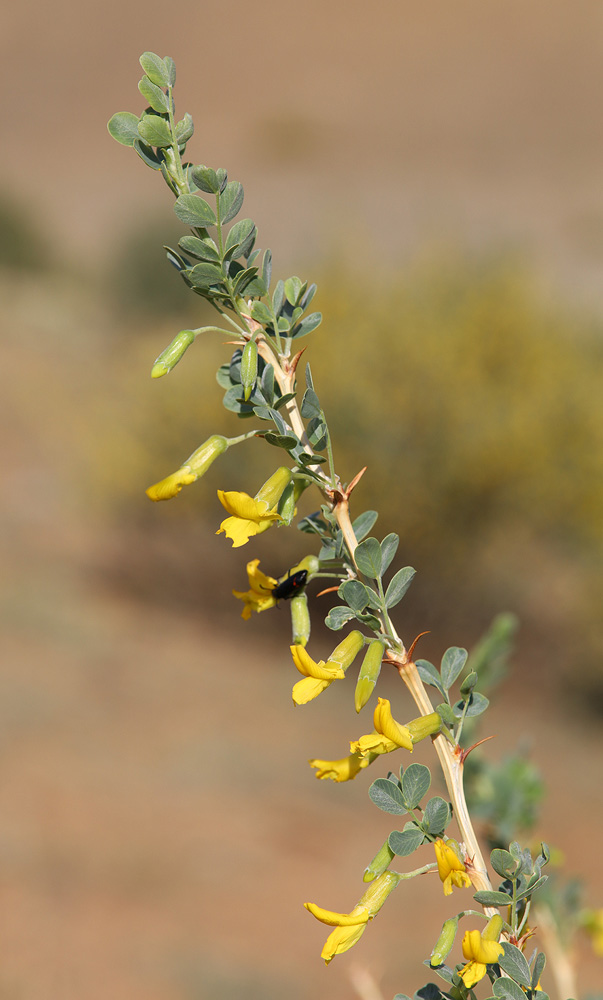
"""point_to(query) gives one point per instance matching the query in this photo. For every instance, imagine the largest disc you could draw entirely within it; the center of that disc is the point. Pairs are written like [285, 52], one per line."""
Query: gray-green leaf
[231, 201]
[506, 989]
[154, 95]
[453, 661]
[156, 69]
[368, 558]
[429, 675]
[155, 131]
[389, 547]
[353, 592]
[310, 407]
[437, 816]
[363, 523]
[415, 784]
[194, 211]
[404, 842]
[398, 586]
[514, 963]
[477, 704]
[387, 797]
[338, 617]
[490, 898]
[123, 126]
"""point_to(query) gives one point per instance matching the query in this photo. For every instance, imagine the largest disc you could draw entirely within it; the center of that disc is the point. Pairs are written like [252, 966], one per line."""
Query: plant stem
[451, 763]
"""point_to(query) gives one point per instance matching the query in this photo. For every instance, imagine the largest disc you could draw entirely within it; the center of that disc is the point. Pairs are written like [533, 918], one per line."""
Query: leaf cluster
[403, 794]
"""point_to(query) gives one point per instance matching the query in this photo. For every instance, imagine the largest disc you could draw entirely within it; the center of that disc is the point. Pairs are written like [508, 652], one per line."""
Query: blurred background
[438, 169]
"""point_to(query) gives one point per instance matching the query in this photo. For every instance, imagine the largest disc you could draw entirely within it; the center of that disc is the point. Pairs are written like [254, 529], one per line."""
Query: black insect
[291, 586]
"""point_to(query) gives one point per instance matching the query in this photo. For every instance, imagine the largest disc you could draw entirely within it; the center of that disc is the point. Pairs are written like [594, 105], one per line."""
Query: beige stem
[451, 763]
[342, 513]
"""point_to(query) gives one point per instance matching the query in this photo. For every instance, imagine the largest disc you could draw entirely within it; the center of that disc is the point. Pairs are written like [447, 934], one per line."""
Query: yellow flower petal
[451, 869]
[308, 689]
[472, 973]
[309, 668]
[171, 485]
[387, 725]
[341, 939]
[240, 530]
[359, 915]
[480, 953]
[345, 769]
[373, 743]
[259, 596]
[242, 505]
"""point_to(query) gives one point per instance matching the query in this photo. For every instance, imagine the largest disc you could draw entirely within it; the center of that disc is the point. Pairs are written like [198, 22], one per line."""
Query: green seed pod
[286, 504]
[369, 673]
[300, 619]
[380, 863]
[249, 368]
[169, 358]
[444, 944]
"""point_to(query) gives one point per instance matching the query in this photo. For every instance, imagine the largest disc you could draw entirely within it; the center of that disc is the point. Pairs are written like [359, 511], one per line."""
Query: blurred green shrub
[496, 401]
[139, 279]
[22, 245]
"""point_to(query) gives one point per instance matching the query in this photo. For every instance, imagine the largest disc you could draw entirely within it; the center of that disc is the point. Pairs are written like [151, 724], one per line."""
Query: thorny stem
[451, 764]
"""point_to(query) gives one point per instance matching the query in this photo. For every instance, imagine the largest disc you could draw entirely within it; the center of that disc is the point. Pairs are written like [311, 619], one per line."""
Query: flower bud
[444, 944]
[426, 725]
[272, 490]
[300, 619]
[249, 368]
[169, 358]
[346, 652]
[369, 673]
[380, 863]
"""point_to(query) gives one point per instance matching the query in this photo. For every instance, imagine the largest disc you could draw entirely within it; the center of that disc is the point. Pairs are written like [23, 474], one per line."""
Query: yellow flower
[195, 466]
[481, 952]
[318, 676]
[253, 515]
[249, 517]
[389, 735]
[451, 869]
[259, 596]
[345, 769]
[349, 927]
